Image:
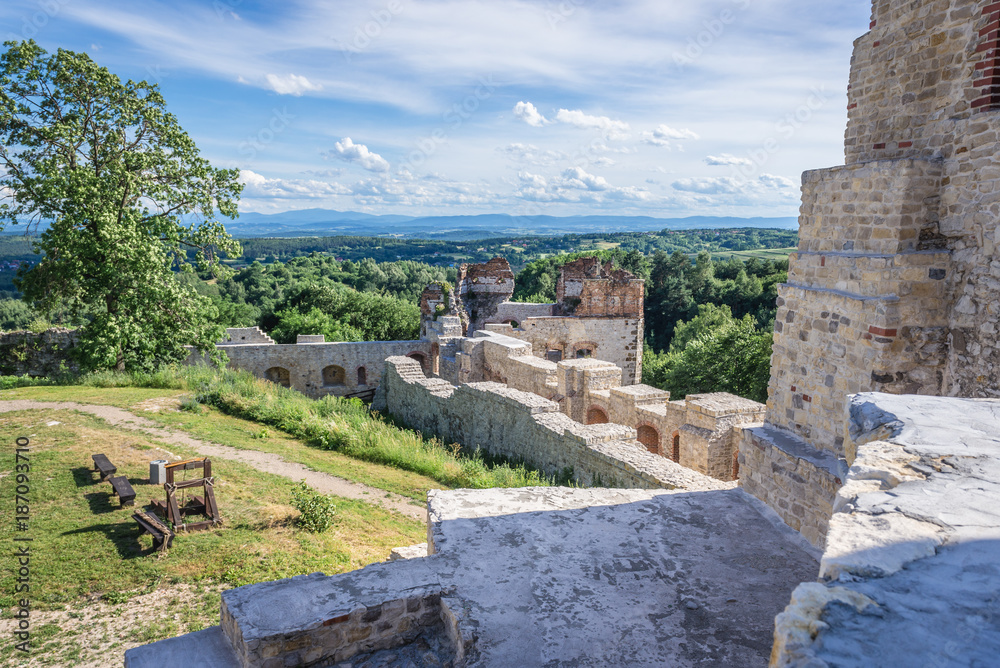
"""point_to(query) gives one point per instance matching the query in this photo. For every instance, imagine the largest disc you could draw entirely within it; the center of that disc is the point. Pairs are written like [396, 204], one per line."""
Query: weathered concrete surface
[544, 577]
[616, 577]
[913, 554]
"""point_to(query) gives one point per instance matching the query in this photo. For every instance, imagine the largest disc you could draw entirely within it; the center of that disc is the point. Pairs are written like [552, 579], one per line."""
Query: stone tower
[895, 284]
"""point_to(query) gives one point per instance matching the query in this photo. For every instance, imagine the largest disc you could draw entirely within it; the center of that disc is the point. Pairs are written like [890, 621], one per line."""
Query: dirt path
[262, 461]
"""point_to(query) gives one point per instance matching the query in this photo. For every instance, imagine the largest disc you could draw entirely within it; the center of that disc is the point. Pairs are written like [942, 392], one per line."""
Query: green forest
[709, 315]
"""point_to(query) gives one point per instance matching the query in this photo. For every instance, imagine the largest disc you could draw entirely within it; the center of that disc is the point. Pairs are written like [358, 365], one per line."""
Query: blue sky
[639, 107]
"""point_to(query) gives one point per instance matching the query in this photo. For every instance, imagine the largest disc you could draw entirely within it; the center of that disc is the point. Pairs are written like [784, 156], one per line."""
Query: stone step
[315, 618]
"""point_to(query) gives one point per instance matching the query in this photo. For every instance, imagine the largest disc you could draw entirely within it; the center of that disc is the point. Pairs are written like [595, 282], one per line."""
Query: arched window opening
[279, 376]
[584, 353]
[420, 357]
[554, 355]
[649, 437]
[362, 376]
[334, 376]
[596, 415]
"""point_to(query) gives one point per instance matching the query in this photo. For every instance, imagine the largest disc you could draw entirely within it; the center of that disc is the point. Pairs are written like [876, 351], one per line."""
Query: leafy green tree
[344, 314]
[292, 322]
[710, 317]
[109, 173]
[15, 315]
[732, 357]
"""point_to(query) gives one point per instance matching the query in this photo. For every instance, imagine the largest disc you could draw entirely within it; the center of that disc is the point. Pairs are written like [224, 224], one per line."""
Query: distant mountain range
[324, 222]
[327, 223]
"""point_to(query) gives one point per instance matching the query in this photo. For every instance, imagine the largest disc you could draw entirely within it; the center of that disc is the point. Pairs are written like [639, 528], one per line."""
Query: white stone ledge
[912, 559]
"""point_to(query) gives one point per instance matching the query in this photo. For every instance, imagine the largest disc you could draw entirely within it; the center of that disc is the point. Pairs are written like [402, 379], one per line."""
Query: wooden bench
[102, 464]
[122, 488]
[163, 537]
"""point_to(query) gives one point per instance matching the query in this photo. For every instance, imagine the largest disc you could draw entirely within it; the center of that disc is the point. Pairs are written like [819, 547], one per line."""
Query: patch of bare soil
[160, 405]
[96, 633]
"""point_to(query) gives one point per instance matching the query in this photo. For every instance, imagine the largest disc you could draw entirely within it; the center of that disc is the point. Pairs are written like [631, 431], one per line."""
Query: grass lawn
[97, 587]
[213, 425]
[122, 397]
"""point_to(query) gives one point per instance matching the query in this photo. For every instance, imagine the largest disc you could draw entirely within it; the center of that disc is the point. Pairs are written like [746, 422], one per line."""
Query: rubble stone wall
[796, 480]
[524, 426]
[924, 85]
[38, 354]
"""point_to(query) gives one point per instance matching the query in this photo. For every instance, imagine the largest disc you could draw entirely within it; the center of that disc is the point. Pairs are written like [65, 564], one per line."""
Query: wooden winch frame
[206, 505]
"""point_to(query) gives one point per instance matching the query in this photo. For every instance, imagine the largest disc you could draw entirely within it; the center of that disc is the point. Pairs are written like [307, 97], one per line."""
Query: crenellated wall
[524, 426]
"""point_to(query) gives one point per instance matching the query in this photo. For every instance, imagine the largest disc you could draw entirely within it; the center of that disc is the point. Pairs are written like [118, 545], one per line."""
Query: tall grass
[330, 423]
[345, 425]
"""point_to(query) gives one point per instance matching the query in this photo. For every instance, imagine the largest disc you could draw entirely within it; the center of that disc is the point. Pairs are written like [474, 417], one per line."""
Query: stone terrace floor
[564, 577]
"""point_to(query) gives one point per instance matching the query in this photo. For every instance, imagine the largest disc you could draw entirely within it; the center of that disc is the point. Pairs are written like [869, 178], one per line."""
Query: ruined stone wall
[482, 288]
[41, 354]
[301, 366]
[796, 480]
[240, 336]
[706, 427]
[520, 311]
[866, 304]
[587, 288]
[924, 84]
[615, 340]
[525, 426]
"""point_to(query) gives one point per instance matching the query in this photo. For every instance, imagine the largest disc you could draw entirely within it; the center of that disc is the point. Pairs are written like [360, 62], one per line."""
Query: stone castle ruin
[850, 522]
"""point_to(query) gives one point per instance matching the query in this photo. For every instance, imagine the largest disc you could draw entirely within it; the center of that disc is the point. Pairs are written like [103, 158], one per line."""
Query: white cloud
[664, 135]
[707, 185]
[348, 151]
[726, 159]
[291, 84]
[529, 114]
[259, 186]
[576, 177]
[531, 153]
[576, 118]
[575, 185]
[532, 180]
[773, 181]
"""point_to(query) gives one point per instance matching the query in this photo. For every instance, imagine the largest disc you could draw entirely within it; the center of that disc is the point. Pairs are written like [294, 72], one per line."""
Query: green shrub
[11, 382]
[316, 510]
[191, 405]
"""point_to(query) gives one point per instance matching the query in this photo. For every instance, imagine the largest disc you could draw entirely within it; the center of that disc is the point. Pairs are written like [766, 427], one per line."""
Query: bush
[191, 405]
[11, 382]
[317, 510]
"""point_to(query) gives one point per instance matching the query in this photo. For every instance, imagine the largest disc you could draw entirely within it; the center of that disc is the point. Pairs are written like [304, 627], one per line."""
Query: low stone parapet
[796, 480]
[910, 575]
